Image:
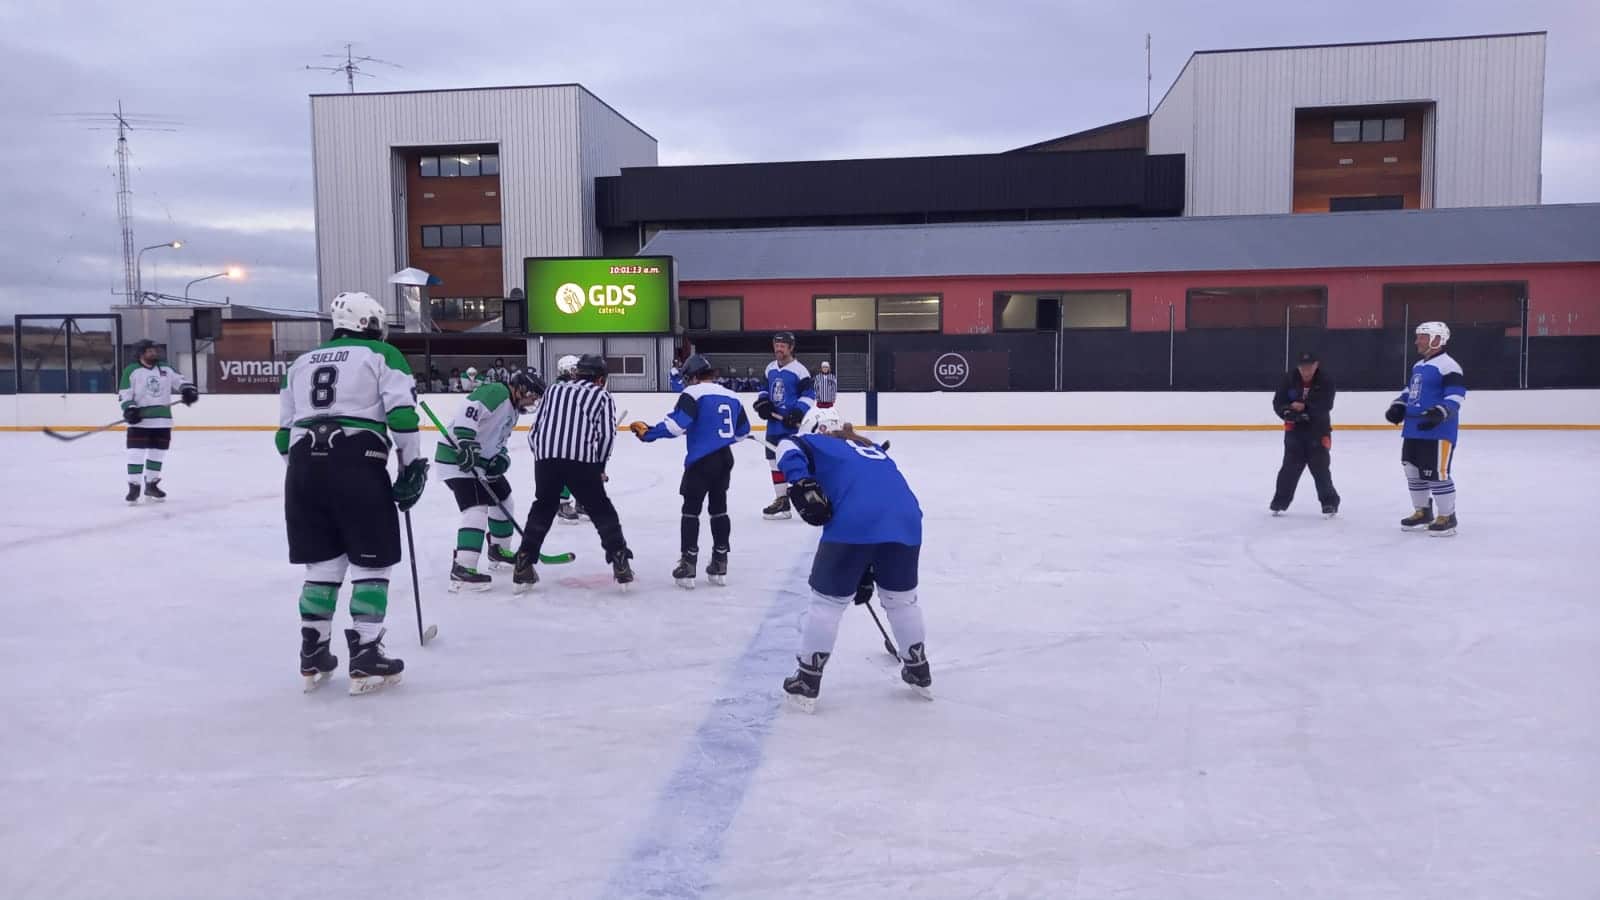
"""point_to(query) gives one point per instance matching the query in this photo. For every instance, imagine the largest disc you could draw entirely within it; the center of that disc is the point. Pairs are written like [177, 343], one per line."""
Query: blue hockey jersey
[788, 387]
[872, 503]
[709, 414]
[1435, 381]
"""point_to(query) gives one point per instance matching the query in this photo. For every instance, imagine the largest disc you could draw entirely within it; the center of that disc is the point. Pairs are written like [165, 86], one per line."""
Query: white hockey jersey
[487, 416]
[365, 384]
[151, 388]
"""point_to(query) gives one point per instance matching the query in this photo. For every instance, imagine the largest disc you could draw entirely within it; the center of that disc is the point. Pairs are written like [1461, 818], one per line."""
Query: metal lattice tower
[352, 66]
[123, 123]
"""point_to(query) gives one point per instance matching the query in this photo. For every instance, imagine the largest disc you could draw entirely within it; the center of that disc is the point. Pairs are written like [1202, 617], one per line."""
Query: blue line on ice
[678, 850]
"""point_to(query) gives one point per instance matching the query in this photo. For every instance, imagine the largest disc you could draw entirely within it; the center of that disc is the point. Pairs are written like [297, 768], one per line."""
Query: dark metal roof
[1124, 182]
[1440, 237]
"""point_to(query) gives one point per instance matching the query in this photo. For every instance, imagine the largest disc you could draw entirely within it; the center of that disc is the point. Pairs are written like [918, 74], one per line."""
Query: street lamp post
[234, 272]
[138, 268]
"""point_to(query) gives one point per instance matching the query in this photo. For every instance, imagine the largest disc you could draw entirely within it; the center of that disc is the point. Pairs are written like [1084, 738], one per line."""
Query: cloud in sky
[713, 82]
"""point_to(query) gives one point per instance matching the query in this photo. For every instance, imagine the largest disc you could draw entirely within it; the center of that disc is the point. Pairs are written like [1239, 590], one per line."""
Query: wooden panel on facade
[458, 200]
[1320, 176]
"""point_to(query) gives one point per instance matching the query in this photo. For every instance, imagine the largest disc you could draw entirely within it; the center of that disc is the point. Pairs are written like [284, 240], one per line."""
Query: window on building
[491, 235]
[1492, 304]
[472, 235]
[450, 235]
[471, 309]
[1267, 307]
[918, 313]
[434, 236]
[430, 235]
[460, 165]
[449, 166]
[1050, 310]
[469, 164]
[430, 167]
[625, 365]
[712, 314]
[491, 164]
[1369, 131]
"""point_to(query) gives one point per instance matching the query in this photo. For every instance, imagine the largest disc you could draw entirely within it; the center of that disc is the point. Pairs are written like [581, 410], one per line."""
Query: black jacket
[1316, 417]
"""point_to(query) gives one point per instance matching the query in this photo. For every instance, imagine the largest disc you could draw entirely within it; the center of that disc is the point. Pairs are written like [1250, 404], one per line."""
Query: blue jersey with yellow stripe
[1436, 380]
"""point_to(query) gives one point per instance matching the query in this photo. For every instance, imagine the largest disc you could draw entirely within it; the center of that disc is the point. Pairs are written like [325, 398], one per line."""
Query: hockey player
[146, 391]
[1430, 409]
[711, 419]
[783, 402]
[343, 405]
[870, 521]
[475, 471]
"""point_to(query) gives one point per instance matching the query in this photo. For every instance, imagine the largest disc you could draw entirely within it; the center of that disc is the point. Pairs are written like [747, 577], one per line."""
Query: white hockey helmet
[471, 374]
[1439, 333]
[360, 312]
[566, 364]
[820, 420]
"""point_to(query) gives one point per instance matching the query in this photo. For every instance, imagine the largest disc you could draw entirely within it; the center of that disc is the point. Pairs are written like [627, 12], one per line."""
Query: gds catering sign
[599, 295]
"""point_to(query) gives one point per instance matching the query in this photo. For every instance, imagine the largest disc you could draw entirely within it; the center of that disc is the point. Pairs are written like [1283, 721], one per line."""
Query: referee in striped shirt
[571, 438]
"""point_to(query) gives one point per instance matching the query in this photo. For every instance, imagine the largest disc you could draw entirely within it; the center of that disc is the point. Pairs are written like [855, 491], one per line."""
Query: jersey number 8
[322, 382]
[868, 450]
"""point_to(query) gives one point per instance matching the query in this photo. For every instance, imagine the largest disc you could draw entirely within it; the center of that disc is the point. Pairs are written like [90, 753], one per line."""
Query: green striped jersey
[150, 388]
[364, 384]
[487, 416]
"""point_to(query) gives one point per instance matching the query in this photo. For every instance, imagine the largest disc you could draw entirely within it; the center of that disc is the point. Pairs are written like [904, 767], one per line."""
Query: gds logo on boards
[951, 370]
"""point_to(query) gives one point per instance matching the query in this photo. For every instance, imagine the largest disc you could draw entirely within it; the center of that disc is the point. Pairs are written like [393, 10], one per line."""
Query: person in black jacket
[1305, 402]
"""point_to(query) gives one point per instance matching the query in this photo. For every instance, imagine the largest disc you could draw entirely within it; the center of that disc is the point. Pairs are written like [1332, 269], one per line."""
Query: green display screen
[594, 295]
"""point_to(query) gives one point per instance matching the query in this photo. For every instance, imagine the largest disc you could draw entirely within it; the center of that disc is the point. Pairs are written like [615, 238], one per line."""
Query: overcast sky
[712, 81]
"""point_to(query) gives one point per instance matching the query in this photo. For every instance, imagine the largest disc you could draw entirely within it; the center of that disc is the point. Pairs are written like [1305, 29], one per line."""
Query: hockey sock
[779, 485]
[318, 600]
[689, 533]
[905, 616]
[369, 600]
[721, 525]
[152, 464]
[469, 537]
[1444, 497]
[135, 465]
[1417, 486]
[500, 529]
[821, 628]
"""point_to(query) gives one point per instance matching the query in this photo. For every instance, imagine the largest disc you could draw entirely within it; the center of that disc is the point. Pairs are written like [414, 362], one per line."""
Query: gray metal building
[1233, 114]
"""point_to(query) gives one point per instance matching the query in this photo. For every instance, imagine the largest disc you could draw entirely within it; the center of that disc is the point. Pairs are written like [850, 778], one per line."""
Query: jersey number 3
[322, 390]
[726, 431]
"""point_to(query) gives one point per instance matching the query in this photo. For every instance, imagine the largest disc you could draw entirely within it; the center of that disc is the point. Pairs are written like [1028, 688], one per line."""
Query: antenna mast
[1147, 74]
[352, 66]
[124, 123]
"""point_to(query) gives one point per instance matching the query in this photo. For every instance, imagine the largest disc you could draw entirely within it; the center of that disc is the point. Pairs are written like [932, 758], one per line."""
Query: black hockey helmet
[528, 382]
[784, 337]
[590, 367]
[696, 366]
[139, 347]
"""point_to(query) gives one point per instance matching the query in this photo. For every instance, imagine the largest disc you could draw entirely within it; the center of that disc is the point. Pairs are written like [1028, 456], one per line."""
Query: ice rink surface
[1146, 687]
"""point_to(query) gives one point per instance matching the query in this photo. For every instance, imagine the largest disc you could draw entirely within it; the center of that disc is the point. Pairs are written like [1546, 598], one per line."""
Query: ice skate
[568, 513]
[916, 673]
[316, 661]
[1443, 526]
[133, 493]
[152, 489]
[683, 574]
[500, 557]
[1418, 520]
[370, 670]
[1330, 510]
[620, 569]
[804, 685]
[463, 578]
[717, 569]
[779, 509]
[523, 575]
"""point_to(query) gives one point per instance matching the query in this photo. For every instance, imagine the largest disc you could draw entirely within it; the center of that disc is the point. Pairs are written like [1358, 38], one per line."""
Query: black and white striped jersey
[576, 420]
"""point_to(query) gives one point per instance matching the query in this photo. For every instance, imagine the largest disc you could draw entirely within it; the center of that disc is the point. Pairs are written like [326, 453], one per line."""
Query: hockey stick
[552, 560]
[424, 635]
[81, 434]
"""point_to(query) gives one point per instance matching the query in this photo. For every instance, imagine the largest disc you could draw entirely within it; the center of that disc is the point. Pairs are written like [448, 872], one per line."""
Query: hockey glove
[864, 589]
[763, 407]
[1396, 413]
[810, 501]
[189, 394]
[794, 417]
[408, 486]
[131, 415]
[468, 455]
[1432, 417]
[638, 429]
[496, 465]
